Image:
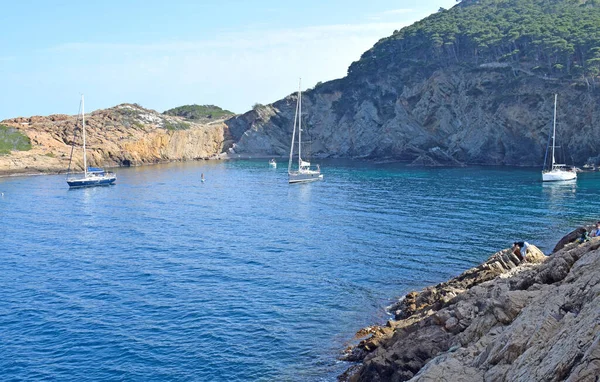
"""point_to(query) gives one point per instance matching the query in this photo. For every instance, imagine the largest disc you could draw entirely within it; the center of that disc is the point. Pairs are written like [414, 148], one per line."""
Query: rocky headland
[473, 84]
[452, 116]
[125, 135]
[538, 320]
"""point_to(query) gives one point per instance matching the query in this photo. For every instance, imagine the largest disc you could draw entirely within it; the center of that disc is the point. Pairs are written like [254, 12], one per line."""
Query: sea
[243, 277]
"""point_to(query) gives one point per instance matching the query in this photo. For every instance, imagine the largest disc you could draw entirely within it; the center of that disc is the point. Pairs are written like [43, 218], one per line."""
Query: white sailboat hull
[304, 176]
[556, 172]
[558, 175]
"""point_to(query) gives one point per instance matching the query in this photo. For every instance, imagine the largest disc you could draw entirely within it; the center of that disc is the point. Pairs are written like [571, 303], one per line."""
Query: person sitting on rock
[584, 237]
[520, 250]
[596, 232]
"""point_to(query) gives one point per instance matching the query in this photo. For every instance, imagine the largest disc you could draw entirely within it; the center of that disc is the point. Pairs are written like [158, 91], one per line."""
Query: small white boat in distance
[304, 173]
[557, 172]
[273, 163]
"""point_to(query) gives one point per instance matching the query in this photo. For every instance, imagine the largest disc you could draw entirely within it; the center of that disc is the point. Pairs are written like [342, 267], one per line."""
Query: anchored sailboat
[304, 173]
[556, 172]
[92, 176]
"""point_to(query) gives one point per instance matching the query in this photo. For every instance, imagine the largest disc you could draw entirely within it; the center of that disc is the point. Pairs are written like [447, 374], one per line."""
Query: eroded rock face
[538, 321]
[125, 135]
[455, 115]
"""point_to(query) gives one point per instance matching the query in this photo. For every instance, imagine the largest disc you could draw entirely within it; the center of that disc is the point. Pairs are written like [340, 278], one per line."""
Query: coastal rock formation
[452, 116]
[501, 321]
[125, 135]
[473, 84]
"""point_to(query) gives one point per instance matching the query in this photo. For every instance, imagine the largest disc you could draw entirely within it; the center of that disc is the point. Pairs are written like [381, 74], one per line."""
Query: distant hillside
[473, 84]
[199, 112]
[552, 37]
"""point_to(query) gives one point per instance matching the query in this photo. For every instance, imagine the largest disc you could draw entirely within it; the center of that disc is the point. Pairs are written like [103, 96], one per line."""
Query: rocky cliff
[125, 135]
[501, 321]
[491, 115]
[474, 84]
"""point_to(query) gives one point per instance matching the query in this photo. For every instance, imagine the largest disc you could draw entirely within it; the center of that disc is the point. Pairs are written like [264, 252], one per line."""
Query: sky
[163, 54]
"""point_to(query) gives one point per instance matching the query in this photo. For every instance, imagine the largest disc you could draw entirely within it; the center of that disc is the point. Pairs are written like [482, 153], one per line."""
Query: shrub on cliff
[176, 125]
[196, 112]
[12, 139]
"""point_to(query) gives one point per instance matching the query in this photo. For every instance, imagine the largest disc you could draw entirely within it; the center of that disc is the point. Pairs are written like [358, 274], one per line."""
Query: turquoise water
[243, 277]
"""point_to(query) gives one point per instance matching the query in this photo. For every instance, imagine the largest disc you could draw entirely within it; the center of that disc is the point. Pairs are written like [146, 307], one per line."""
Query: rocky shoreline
[501, 321]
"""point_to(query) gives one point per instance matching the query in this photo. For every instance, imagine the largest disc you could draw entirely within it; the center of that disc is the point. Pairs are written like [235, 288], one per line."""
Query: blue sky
[164, 54]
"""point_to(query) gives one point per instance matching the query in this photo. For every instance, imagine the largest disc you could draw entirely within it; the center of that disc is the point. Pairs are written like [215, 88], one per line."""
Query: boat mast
[554, 132]
[294, 133]
[83, 129]
[299, 124]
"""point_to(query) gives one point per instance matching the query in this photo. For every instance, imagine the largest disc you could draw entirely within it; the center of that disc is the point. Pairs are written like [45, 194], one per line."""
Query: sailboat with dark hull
[92, 176]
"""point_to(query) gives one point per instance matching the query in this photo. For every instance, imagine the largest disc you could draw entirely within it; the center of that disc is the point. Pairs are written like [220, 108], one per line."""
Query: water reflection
[556, 191]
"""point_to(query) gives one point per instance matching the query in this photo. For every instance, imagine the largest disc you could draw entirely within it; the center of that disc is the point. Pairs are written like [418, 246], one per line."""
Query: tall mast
[294, 133]
[83, 129]
[299, 123]
[554, 131]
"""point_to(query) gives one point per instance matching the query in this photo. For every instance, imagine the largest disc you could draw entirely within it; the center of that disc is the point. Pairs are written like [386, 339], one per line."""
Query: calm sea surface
[244, 277]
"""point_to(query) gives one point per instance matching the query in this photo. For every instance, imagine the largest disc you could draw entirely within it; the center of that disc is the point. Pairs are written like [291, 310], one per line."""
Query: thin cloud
[390, 13]
[400, 11]
[253, 38]
[234, 70]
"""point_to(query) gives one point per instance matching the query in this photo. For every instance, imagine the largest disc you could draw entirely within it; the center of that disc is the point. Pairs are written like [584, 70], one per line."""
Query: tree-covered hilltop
[195, 112]
[550, 37]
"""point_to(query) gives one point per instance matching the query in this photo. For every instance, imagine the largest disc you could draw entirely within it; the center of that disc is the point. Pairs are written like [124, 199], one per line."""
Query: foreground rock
[501, 321]
[125, 135]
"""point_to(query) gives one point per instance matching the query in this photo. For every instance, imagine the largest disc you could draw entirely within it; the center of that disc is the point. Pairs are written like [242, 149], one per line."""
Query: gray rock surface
[455, 115]
[533, 322]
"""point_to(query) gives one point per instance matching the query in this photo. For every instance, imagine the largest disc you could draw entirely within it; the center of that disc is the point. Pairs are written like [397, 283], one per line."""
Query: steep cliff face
[502, 321]
[126, 135]
[473, 84]
[481, 115]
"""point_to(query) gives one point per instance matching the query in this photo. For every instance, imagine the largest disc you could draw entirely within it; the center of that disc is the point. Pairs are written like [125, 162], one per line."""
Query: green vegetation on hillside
[195, 112]
[176, 125]
[550, 37]
[12, 139]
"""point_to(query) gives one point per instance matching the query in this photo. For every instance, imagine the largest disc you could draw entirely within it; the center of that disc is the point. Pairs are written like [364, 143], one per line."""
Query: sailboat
[92, 176]
[304, 173]
[557, 172]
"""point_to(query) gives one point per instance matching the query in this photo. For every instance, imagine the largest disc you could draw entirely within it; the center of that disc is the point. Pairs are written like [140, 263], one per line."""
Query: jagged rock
[433, 297]
[535, 321]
